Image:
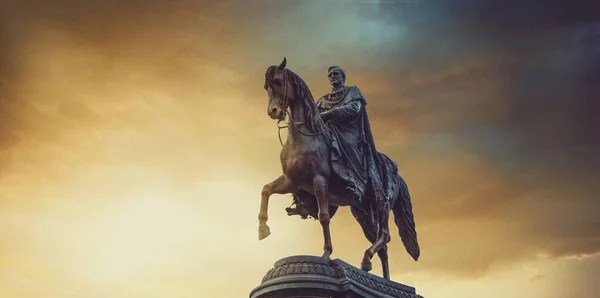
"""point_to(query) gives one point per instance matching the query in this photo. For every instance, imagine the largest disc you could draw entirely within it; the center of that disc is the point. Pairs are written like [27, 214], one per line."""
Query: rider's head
[337, 76]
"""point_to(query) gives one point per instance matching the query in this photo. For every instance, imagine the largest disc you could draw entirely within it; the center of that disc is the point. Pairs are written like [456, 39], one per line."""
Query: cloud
[493, 127]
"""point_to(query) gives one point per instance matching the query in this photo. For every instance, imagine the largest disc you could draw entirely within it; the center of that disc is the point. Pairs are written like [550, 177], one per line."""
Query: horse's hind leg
[383, 256]
[281, 185]
[370, 231]
[382, 252]
[383, 237]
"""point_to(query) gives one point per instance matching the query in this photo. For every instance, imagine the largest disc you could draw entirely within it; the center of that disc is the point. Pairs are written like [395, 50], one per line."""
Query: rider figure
[354, 158]
[341, 110]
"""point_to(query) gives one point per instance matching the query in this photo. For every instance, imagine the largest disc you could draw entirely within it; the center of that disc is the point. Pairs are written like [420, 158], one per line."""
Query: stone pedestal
[315, 277]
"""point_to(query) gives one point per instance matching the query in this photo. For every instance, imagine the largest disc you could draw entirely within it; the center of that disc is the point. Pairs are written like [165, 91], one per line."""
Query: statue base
[311, 276]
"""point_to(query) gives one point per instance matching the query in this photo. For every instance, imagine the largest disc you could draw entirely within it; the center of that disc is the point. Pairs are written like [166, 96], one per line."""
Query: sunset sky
[134, 142]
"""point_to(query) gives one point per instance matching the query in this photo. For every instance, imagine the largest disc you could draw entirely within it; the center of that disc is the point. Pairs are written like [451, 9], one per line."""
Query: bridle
[284, 104]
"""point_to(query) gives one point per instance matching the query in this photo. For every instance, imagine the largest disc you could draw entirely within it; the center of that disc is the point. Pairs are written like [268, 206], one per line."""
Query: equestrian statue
[329, 160]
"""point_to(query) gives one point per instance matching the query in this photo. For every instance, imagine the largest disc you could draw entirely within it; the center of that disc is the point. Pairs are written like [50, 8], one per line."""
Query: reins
[285, 105]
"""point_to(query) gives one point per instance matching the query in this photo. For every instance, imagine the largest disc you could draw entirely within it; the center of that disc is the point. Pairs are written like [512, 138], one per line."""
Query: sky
[134, 142]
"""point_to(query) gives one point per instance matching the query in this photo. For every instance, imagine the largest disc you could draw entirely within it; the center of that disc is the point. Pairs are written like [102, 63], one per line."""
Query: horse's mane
[313, 119]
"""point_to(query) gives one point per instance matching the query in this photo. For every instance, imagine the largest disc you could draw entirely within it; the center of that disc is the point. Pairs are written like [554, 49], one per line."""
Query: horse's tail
[403, 217]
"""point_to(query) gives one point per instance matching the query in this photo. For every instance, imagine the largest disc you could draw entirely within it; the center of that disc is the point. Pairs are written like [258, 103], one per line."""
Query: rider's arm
[343, 112]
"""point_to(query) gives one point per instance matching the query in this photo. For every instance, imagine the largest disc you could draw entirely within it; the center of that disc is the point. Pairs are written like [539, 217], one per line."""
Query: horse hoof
[263, 232]
[366, 266]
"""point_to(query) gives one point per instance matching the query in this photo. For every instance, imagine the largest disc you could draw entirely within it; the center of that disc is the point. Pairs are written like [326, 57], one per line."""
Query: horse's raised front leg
[281, 185]
[321, 189]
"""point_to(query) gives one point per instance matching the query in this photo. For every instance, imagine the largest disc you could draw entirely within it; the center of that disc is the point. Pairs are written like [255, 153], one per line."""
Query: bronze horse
[306, 169]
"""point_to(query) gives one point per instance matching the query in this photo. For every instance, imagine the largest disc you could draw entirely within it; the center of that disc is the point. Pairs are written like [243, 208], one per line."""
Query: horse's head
[279, 89]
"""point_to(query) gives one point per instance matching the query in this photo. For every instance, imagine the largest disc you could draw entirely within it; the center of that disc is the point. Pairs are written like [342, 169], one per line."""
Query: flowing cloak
[354, 157]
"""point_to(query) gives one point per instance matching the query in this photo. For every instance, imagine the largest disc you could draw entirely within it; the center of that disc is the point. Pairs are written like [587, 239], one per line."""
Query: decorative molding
[299, 276]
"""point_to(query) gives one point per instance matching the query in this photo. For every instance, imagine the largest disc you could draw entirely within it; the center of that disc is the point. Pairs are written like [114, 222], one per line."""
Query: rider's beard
[336, 85]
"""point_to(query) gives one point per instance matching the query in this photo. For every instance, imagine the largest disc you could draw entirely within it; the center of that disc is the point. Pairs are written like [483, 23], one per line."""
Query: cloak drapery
[354, 157]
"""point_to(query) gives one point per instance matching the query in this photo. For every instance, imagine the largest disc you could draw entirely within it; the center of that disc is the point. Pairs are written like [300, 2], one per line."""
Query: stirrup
[296, 211]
